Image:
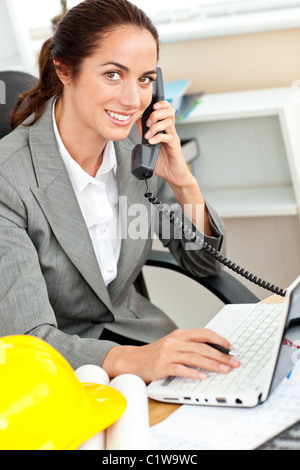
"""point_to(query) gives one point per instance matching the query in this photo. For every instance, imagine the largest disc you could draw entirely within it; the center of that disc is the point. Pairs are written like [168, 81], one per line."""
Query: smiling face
[114, 86]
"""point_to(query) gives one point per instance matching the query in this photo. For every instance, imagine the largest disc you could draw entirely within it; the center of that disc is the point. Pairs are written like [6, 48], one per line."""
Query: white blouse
[99, 202]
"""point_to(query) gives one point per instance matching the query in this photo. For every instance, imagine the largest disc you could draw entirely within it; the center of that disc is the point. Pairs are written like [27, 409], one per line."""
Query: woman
[65, 174]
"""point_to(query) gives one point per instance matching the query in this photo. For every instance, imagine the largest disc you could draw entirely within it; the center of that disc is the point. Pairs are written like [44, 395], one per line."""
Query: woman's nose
[130, 96]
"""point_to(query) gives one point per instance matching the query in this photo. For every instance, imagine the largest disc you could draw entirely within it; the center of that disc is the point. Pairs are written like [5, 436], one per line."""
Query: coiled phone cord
[191, 236]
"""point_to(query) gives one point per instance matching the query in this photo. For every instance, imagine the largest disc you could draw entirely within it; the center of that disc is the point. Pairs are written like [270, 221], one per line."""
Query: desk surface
[159, 411]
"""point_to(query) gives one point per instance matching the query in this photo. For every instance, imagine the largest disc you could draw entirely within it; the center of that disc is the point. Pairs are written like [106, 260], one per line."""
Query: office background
[237, 51]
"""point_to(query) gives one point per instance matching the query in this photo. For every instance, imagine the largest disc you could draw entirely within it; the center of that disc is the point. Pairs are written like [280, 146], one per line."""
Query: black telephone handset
[144, 158]
[144, 155]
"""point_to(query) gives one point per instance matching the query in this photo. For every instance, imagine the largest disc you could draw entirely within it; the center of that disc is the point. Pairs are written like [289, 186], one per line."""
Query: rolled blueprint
[94, 375]
[131, 431]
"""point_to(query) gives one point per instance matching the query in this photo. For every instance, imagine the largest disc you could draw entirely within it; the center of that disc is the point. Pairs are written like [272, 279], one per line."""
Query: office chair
[15, 83]
[226, 287]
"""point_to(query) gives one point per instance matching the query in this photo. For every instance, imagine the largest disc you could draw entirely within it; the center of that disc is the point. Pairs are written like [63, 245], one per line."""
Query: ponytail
[33, 102]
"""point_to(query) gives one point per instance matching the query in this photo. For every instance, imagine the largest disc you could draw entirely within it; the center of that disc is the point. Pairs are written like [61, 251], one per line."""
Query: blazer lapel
[57, 199]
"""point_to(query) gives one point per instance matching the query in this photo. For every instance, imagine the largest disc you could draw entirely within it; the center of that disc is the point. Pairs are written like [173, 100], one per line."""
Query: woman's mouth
[120, 119]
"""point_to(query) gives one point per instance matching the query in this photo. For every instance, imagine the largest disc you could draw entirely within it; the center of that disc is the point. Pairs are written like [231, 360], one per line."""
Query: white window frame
[226, 18]
[218, 18]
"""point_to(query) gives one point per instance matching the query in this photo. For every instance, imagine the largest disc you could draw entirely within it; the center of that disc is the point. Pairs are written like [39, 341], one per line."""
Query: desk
[159, 411]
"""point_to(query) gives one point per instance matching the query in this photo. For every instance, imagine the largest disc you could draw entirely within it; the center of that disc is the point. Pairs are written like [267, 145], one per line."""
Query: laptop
[266, 337]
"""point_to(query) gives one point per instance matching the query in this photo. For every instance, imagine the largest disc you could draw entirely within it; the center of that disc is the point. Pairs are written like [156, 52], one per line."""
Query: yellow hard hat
[42, 403]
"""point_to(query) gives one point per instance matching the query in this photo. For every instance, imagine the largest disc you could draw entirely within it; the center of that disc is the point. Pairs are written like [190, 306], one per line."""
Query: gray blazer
[50, 284]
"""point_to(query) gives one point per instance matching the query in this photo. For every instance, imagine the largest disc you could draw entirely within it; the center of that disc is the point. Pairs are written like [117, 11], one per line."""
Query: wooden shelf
[252, 202]
[253, 103]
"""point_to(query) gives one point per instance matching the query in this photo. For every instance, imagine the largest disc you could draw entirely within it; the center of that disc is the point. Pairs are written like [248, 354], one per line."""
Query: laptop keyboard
[253, 340]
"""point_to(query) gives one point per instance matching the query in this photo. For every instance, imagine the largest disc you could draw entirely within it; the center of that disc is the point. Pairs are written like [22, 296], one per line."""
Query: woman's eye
[146, 80]
[113, 75]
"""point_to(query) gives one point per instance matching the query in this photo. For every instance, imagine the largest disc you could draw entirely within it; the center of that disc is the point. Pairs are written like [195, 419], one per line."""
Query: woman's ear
[62, 72]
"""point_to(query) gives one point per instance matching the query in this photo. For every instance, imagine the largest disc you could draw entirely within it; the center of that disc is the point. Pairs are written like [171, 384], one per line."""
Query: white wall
[15, 45]
[9, 52]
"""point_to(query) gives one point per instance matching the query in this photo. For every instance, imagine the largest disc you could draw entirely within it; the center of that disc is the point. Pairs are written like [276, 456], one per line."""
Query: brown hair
[76, 38]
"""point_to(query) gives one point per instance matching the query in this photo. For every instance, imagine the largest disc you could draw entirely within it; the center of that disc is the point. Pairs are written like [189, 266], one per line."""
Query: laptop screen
[289, 353]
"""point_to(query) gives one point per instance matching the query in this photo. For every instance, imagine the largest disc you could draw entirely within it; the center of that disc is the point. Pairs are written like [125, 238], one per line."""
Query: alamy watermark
[141, 221]
[2, 92]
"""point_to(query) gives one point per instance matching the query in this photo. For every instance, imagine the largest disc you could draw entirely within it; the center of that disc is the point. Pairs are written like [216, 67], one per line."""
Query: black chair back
[13, 84]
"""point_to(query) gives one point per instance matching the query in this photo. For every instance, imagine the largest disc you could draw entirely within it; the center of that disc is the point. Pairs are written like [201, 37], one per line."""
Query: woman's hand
[171, 165]
[177, 354]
